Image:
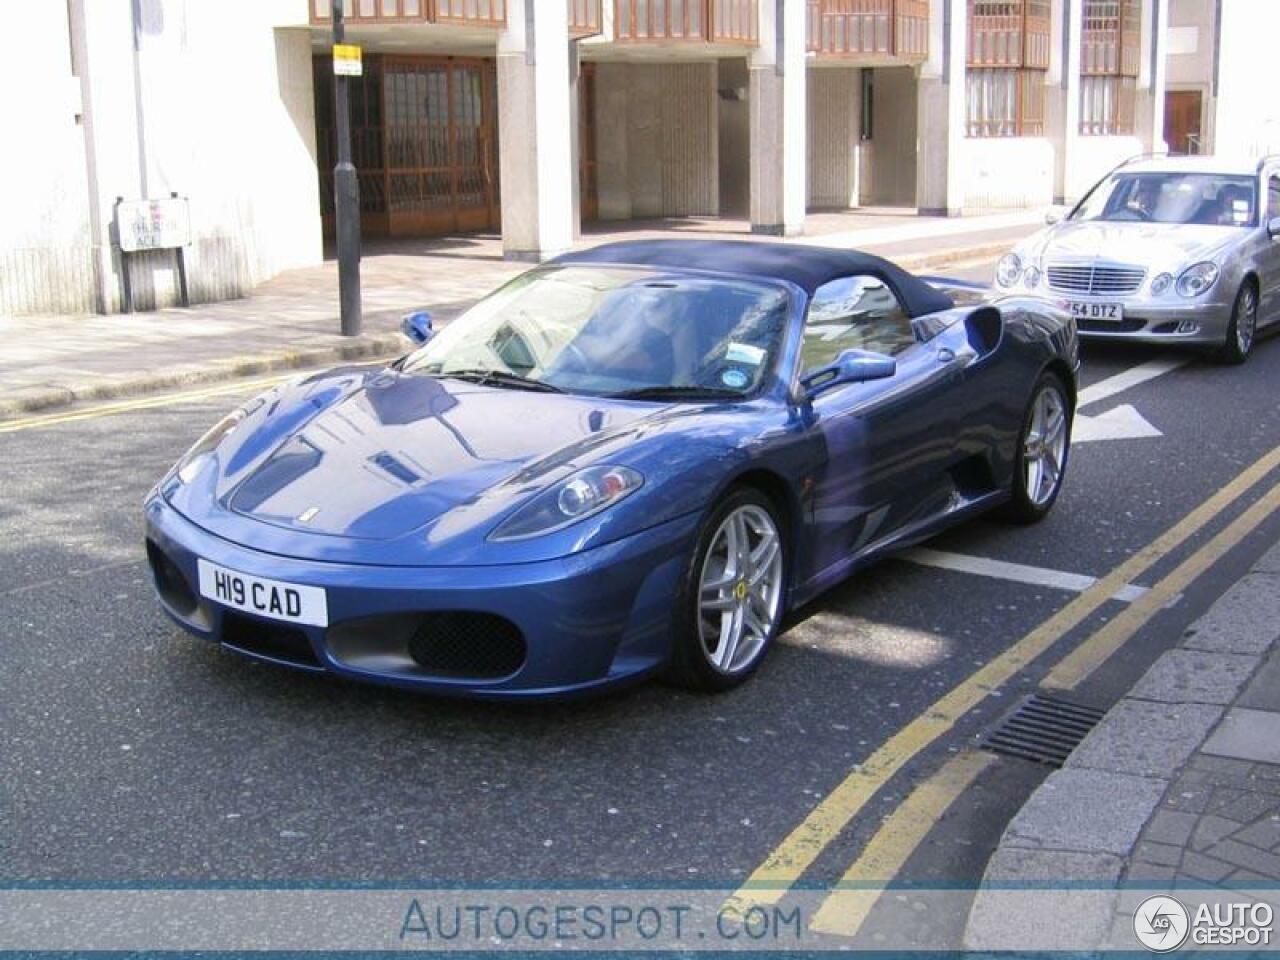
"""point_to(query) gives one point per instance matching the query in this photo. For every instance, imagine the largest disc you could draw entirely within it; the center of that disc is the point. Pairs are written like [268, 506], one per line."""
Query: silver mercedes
[1164, 250]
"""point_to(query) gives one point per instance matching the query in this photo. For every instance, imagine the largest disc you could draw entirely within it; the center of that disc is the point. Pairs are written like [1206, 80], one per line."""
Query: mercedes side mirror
[852, 366]
[1273, 227]
[1054, 215]
[417, 327]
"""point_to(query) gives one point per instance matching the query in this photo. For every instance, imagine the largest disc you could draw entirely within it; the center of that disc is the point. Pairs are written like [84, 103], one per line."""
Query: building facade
[530, 117]
[1217, 98]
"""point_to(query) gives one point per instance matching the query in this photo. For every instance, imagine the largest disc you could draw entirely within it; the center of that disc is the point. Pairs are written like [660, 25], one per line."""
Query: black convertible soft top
[805, 266]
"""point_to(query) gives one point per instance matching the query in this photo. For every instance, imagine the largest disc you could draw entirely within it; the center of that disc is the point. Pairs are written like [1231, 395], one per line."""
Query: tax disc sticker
[734, 379]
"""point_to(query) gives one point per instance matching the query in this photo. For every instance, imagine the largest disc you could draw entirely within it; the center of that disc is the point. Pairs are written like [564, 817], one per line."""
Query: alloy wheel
[1045, 446]
[740, 589]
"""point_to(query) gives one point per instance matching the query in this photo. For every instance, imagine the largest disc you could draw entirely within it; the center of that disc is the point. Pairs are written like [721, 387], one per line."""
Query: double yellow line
[847, 906]
[143, 403]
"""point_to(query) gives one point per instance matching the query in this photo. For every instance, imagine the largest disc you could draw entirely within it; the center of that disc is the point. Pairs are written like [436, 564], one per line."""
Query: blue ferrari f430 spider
[629, 461]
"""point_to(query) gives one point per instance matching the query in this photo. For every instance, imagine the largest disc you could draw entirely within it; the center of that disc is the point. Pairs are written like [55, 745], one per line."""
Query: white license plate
[1107, 312]
[291, 602]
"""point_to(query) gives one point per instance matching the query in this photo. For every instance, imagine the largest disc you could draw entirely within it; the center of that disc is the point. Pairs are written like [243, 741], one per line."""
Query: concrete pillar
[1064, 133]
[535, 132]
[777, 120]
[1149, 122]
[940, 112]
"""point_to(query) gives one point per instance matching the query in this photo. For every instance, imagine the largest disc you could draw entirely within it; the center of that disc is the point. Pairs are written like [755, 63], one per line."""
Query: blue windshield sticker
[734, 379]
[744, 353]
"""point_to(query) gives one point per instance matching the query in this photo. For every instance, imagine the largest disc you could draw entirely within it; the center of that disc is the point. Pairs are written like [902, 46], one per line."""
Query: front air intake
[458, 644]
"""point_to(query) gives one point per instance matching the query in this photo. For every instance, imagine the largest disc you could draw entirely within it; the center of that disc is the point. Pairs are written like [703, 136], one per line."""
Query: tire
[1034, 493]
[702, 638]
[1242, 331]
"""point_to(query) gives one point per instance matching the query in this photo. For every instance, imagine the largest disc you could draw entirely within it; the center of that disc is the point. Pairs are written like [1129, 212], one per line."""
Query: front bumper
[1201, 324]
[588, 621]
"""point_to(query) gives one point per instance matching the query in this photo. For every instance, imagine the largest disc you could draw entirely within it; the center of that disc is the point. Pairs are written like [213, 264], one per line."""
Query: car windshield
[1202, 198]
[615, 330]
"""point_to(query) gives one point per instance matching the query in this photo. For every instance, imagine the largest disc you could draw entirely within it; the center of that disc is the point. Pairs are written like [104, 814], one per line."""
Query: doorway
[1182, 112]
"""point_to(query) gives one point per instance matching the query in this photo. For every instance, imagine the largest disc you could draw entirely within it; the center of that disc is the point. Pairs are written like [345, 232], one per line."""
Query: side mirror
[1273, 227]
[417, 327]
[852, 366]
[1054, 215]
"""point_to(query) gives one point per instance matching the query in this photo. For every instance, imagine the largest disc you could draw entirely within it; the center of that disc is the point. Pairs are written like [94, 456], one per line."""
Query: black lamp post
[346, 197]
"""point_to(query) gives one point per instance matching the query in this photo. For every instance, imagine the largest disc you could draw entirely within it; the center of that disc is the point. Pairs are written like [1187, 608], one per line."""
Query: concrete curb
[1085, 821]
[368, 347]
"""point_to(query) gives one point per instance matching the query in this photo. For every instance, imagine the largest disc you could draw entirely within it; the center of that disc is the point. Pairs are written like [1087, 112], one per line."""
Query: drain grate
[1042, 729]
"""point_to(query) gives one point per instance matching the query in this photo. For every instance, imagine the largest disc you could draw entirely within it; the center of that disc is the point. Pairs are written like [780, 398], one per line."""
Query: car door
[1269, 254]
[886, 442]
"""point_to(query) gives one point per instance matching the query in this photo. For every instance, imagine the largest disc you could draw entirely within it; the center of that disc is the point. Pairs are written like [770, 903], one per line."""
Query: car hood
[384, 467]
[1157, 246]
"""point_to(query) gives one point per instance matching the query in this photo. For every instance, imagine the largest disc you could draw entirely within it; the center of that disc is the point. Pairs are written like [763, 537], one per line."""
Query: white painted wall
[1004, 172]
[45, 259]
[1247, 112]
[216, 104]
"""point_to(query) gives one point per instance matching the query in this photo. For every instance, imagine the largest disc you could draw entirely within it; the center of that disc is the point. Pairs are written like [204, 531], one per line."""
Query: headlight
[1197, 278]
[1008, 270]
[574, 498]
[1031, 278]
[1161, 283]
[195, 458]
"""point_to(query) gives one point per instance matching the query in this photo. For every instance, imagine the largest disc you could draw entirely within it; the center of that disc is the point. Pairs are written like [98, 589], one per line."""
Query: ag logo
[1161, 923]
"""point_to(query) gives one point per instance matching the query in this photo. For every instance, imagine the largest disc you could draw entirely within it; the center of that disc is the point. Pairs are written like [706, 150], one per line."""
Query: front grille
[1093, 278]
[266, 638]
[463, 644]
[1127, 325]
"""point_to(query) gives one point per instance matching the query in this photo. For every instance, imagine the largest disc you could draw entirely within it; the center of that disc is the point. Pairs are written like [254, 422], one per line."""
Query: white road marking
[1123, 422]
[1128, 378]
[1015, 572]
[1118, 423]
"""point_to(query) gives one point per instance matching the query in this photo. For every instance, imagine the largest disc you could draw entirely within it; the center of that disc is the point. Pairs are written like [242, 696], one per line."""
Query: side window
[1273, 196]
[857, 312]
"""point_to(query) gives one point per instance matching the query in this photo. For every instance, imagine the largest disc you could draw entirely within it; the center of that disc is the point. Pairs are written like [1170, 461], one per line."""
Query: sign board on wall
[346, 60]
[163, 223]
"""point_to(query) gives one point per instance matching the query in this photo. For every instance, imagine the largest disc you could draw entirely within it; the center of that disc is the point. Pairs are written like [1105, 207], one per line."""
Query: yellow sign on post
[346, 60]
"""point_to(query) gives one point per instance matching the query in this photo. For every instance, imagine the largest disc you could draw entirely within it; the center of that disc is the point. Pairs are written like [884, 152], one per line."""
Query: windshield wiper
[501, 378]
[677, 391]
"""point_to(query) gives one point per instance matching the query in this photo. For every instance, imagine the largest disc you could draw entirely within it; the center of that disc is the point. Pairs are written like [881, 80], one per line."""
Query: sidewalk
[1177, 788]
[291, 321]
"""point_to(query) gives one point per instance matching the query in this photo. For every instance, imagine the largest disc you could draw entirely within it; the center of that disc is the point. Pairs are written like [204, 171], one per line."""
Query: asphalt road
[135, 754]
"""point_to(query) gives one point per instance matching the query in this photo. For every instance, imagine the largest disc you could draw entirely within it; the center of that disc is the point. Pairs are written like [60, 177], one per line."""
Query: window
[1167, 197]
[867, 124]
[1109, 66]
[858, 312]
[1007, 59]
[1273, 197]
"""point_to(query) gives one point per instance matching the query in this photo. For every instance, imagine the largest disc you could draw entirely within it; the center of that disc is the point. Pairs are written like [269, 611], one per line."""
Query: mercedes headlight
[576, 497]
[1008, 270]
[1031, 278]
[1161, 283]
[1197, 278]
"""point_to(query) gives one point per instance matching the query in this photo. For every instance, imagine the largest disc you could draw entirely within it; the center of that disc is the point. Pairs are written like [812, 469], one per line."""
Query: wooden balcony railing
[1009, 33]
[851, 28]
[714, 21]
[472, 13]
[585, 17]
[1110, 44]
